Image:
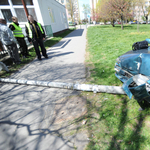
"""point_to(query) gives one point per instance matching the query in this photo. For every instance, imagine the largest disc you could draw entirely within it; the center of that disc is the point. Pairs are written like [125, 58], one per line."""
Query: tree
[70, 5]
[95, 13]
[146, 12]
[101, 11]
[86, 10]
[106, 12]
[121, 8]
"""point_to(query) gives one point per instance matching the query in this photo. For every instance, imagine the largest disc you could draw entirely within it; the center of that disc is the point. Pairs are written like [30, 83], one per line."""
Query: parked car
[132, 68]
[108, 22]
[131, 22]
[72, 23]
[117, 22]
[101, 23]
[143, 22]
[137, 22]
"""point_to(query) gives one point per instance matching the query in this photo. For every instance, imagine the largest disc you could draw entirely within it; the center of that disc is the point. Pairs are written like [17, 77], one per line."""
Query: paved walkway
[28, 113]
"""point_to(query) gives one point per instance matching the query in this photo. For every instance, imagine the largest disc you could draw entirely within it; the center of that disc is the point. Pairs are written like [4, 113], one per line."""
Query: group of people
[13, 35]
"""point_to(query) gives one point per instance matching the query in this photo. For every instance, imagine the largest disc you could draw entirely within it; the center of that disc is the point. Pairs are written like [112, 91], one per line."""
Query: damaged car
[133, 69]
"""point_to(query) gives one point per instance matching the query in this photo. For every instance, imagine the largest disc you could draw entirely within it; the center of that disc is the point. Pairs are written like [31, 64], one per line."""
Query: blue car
[133, 69]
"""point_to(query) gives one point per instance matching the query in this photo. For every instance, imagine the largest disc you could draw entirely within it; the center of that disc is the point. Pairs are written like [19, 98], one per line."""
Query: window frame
[12, 9]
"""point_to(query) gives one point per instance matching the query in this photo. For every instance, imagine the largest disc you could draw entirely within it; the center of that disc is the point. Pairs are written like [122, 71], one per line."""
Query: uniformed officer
[36, 35]
[18, 34]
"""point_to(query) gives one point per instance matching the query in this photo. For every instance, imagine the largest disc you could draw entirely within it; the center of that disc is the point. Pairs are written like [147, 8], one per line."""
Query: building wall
[93, 7]
[76, 14]
[93, 4]
[52, 13]
[47, 12]
[138, 11]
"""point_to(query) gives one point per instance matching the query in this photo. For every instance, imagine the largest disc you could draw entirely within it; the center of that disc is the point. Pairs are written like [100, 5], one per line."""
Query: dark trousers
[13, 52]
[37, 43]
[23, 46]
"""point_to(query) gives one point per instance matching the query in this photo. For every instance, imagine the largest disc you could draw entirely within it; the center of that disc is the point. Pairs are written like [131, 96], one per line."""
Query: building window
[21, 15]
[4, 2]
[51, 15]
[64, 16]
[31, 11]
[61, 17]
[19, 2]
[7, 15]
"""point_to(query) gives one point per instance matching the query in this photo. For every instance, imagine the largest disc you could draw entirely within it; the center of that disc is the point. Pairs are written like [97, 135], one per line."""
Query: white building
[93, 7]
[93, 4]
[50, 13]
[76, 11]
[140, 9]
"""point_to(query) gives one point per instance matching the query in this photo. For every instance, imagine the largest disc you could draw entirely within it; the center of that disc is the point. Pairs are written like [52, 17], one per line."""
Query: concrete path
[28, 113]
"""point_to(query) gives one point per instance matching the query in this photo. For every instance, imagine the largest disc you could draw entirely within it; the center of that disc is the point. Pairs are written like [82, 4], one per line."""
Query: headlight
[148, 87]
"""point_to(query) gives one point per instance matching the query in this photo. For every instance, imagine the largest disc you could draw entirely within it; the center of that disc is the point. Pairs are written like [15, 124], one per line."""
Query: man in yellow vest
[18, 34]
[36, 35]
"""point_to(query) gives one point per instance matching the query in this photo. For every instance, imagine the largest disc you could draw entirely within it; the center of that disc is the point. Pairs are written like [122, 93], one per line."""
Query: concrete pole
[71, 86]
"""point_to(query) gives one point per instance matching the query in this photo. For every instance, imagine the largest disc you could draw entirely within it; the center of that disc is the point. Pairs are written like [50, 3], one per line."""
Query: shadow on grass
[114, 129]
[116, 26]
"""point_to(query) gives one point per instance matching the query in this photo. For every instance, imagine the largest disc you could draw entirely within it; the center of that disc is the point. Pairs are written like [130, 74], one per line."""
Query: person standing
[18, 34]
[36, 35]
[7, 39]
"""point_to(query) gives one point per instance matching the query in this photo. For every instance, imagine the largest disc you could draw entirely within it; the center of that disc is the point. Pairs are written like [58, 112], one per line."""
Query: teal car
[133, 69]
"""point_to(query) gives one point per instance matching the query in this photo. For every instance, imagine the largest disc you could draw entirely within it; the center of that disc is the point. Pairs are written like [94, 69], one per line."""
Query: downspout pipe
[71, 86]
[25, 8]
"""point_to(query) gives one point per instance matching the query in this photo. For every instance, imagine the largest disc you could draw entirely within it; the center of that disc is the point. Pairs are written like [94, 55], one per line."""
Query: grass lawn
[13, 67]
[113, 121]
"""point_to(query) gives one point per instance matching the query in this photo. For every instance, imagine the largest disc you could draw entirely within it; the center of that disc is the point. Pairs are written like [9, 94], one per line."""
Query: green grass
[113, 121]
[13, 67]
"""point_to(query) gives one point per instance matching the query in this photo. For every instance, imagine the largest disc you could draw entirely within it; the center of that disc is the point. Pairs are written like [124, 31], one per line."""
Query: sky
[81, 2]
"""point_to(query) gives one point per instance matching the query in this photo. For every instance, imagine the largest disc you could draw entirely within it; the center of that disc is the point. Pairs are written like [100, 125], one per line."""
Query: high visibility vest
[18, 31]
[30, 31]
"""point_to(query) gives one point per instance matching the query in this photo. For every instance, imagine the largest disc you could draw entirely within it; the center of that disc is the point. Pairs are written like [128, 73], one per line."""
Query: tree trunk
[146, 19]
[122, 22]
[138, 26]
[112, 23]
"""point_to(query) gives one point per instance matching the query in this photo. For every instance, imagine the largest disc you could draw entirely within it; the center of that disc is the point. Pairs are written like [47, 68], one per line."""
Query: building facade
[49, 13]
[75, 8]
[93, 4]
[140, 10]
[77, 11]
[93, 7]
